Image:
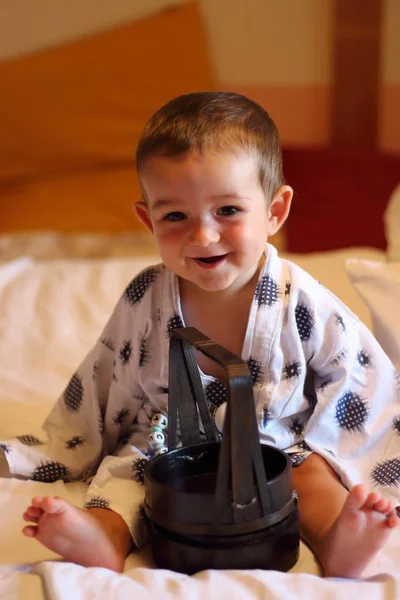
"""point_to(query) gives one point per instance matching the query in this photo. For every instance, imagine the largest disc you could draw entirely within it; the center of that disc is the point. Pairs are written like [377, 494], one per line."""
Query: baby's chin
[216, 286]
[204, 284]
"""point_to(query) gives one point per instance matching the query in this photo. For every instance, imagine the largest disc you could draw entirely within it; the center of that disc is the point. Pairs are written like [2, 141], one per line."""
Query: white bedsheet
[50, 314]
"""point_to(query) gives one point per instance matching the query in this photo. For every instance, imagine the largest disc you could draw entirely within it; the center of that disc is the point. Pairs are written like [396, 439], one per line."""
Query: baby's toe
[372, 499]
[383, 506]
[27, 517]
[37, 501]
[30, 531]
[393, 520]
[356, 498]
[34, 512]
[55, 504]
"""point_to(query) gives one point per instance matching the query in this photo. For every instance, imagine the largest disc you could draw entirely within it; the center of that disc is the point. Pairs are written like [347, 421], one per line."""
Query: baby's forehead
[207, 174]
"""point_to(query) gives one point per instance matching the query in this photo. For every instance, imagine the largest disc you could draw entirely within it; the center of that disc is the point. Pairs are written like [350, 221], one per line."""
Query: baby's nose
[203, 235]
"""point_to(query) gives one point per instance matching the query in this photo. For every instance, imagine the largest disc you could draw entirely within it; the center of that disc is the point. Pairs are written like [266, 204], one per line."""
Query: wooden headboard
[72, 116]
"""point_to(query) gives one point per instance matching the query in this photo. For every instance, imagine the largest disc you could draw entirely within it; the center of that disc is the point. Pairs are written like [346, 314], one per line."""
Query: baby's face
[209, 216]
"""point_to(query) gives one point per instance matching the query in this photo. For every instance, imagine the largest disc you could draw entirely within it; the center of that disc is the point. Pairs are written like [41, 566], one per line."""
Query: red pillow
[340, 195]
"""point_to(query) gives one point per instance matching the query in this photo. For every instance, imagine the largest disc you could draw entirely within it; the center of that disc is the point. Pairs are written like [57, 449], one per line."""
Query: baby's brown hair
[217, 121]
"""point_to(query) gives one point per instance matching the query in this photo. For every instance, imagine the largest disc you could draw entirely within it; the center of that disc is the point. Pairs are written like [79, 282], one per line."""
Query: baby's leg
[344, 529]
[97, 537]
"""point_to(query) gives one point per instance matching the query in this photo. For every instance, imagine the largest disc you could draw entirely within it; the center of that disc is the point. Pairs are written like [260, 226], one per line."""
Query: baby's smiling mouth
[211, 259]
[210, 262]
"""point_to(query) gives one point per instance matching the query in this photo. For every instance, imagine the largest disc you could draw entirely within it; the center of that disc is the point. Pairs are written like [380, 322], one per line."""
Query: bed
[69, 245]
[51, 312]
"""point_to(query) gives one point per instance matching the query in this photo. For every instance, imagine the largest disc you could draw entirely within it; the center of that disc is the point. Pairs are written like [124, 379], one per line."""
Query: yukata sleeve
[69, 444]
[118, 484]
[355, 423]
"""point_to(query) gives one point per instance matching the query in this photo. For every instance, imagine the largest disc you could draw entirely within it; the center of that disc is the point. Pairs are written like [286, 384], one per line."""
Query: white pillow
[392, 225]
[329, 268]
[378, 284]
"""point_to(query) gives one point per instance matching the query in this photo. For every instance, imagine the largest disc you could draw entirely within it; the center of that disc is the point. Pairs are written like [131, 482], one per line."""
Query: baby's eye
[174, 216]
[227, 211]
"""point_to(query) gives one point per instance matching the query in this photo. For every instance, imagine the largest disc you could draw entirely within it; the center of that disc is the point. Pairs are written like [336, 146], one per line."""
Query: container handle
[241, 487]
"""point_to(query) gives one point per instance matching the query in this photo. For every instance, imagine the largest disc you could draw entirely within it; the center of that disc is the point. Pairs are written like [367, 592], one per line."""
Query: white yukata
[321, 383]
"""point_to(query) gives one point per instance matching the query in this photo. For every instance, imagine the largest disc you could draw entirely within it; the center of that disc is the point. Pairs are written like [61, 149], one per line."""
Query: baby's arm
[69, 444]
[354, 385]
[349, 412]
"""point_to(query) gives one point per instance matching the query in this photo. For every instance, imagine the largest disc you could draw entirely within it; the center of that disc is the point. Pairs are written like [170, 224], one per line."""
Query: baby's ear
[278, 209]
[143, 214]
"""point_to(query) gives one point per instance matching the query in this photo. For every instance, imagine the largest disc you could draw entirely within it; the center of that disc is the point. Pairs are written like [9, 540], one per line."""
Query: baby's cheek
[248, 239]
[169, 239]
[239, 234]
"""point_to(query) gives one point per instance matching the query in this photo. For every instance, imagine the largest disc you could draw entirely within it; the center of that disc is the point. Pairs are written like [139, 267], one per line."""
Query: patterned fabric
[321, 384]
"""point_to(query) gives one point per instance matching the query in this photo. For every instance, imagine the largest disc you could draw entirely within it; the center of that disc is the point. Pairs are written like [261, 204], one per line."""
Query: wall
[277, 52]
[280, 54]
[28, 25]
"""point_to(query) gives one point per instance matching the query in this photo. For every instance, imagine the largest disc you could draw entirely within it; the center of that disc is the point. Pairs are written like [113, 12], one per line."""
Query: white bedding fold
[65, 581]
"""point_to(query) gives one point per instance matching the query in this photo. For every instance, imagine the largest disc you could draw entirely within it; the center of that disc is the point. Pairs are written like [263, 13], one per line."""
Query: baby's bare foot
[359, 532]
[75, 534]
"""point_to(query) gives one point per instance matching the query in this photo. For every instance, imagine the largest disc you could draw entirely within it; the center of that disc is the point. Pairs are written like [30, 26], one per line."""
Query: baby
[210, 170]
